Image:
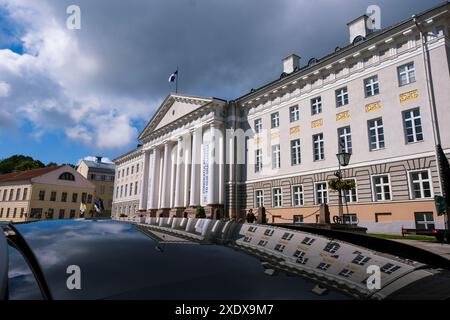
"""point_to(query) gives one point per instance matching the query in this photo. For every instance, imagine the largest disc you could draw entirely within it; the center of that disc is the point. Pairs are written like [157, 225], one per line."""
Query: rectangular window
[276, 157]
[298, 218]
[316, 105]
[294, 113]
[74, 197]
[346, 273]
[308, 241]
[321, 192]
[4, 194]
[350, 218]
[323, 266]
[11, 194]
[53, 196]
[371, 86]
[25, 194]
[258, 125]
[61, 214]
[121, 191]
[275, 119]
[345, 139]
[424, 220]
[280, 247]
[63, 196]
[42, 195]
[406, 74]
[389, 268]
[360, 260]
[318, 147]
[287, 236]
[135, 188]
[350, 195]
[295, 152]
[412, 122]
[332, 247]
[259, 199]
[297, 196]
[137, 168]
[382, 188]
[128, 171]
[258, 160]
[17, 194]
[131, 189]
[376, 134]
[276, 197]
[72, 214]
[269, 232]
[420, 184]
[89, 198]
[132, 169]
[341, 97]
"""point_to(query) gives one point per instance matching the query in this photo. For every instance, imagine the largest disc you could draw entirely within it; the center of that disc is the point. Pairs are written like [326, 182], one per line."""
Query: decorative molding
[317, 123]
[409, 96]
[373, 106]
[341, 116]
[294, 130]
[274, 135]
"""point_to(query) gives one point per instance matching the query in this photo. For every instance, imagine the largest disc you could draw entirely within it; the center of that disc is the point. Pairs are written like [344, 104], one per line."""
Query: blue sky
[67, 94]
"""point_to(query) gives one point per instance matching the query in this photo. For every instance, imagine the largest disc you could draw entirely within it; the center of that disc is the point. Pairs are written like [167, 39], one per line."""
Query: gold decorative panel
[408, 96]
[258, 140]
[275, 135]
[373, 106]
[317, 123]
[294, 130]
[343, 116]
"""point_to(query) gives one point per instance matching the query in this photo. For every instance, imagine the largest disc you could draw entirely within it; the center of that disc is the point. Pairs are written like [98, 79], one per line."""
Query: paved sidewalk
[441, 249]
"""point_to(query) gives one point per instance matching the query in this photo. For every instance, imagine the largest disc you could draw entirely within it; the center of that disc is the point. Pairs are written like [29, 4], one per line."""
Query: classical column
[187, 169]
[153, 189]
[165, 192]
[178, 203]
[144, 187]
[195, 167]
[212, 172]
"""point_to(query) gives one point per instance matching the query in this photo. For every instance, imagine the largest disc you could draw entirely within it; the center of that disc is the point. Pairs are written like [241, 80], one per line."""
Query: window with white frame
[318, 147]
[308, 241]
[350, 195]
[420, 184]
[276, 156]
[406, 74]
[287, 236]
[376, 134]
[294, 113]
[259, 199]
[321, 192]
[413, 125]
[350, 218]
[382, 188]
[389, 268]
[297, 196]
[275, 119]
[316, 105]
[280, 247]
[258, 125]
[360, 260]
[269, 232]
[424, 220]
[323, 266]
[341, 97]
[371, 86]
[298, 218]
[346, 273]
[258, 160]
[332, 247]
[276, 197]
[295, 152]
[345, 139]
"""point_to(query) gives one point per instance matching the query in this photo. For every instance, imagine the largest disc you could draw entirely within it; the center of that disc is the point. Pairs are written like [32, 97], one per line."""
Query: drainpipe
[431, 101]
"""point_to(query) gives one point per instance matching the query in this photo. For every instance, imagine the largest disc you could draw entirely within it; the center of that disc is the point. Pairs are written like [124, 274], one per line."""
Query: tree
[19, 163]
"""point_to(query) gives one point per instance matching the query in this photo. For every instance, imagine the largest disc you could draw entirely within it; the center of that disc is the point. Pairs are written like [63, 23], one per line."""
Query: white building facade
[384, 98]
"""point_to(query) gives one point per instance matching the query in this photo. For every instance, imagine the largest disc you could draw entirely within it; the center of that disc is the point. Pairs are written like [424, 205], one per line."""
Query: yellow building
[101, 174]
[54, 192]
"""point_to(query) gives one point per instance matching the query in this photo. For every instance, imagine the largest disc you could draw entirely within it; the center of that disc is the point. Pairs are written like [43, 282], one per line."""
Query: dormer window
[67, 176]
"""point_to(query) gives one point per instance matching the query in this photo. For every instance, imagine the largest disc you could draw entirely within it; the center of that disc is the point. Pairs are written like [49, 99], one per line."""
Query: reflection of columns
[195, 167]
[178, 203]
[144, 186]
[187, 169]
[212, 172]
[165, 192]
[153, 189]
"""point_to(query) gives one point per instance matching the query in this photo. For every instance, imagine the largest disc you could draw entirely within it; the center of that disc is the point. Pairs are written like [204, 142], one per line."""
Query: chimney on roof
[291, 63]
[98, 159]
[361, 26]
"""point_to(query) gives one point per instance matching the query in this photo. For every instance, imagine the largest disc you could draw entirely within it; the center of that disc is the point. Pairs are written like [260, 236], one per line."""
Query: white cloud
[5, 88]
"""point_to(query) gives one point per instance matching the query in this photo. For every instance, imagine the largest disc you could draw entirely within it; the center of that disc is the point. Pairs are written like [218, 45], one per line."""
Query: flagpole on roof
[176, 81]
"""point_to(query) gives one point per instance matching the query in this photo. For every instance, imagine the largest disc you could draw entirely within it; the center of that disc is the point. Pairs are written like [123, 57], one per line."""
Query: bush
[200, 213]
[336, 184]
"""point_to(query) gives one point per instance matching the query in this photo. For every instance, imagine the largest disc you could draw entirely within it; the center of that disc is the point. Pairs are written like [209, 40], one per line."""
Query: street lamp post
[343, 159]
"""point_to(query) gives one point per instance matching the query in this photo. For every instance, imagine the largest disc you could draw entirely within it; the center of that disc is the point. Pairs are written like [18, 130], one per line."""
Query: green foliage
[336, 184]
[200, 213]
[19, 163]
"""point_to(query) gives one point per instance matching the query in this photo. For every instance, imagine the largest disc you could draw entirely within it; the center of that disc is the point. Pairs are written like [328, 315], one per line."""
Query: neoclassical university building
[384, 98]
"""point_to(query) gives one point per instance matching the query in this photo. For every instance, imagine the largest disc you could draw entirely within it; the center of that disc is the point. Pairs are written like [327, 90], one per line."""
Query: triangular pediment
[174, 107]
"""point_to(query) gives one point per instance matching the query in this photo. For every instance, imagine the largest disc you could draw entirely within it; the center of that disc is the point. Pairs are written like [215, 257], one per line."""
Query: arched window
[66, 176]
[312, 61]
[358, 39]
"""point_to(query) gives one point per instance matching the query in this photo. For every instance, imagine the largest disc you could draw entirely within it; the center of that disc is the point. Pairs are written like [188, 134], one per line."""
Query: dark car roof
[118, 261]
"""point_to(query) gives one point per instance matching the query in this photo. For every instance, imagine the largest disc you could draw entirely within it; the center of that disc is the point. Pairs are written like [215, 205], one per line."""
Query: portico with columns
[183, 158]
